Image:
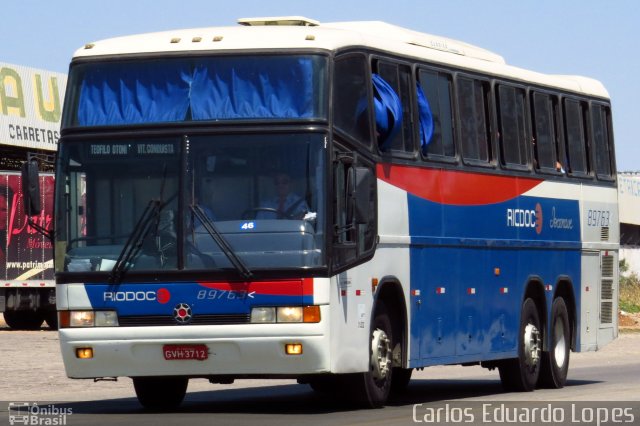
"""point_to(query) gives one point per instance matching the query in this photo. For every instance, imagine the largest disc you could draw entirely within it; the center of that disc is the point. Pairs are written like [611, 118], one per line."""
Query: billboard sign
[629, 198]
[25, 254]
[30, 106]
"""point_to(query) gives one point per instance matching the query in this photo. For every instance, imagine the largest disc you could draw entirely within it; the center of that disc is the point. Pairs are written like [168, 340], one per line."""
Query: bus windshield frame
[135, 205]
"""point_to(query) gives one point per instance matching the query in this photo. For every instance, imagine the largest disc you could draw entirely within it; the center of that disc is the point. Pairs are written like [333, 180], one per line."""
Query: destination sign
[127, 149]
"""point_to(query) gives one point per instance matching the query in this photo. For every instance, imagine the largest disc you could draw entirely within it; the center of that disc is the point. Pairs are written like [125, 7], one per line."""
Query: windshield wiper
[136, 239]
[219, 239]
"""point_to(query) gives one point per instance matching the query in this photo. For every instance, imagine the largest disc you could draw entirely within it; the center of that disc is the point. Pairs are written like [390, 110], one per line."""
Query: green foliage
[629, 289]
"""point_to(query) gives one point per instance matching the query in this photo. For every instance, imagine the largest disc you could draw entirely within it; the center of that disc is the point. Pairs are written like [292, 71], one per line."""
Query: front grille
[156, 320]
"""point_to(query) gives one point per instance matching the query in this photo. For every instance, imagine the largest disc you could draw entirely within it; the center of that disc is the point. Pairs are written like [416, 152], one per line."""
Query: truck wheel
[371, 389]
[521, 374]
[51, 318]
[555, 363]
[160, 393]
[23, 320]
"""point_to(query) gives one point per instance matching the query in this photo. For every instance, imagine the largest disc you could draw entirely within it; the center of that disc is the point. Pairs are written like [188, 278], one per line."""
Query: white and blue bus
[337, 203]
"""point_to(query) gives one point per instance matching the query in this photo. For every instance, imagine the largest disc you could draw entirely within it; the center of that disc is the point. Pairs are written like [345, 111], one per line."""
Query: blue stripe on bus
[469, 268]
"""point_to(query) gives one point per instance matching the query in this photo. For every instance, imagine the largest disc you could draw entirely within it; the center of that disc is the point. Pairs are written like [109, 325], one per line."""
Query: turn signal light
[293, 348]
[84, 353]
[311, 313]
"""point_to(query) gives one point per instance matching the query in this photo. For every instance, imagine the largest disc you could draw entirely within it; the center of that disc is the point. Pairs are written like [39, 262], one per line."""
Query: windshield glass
[202, 202]
[214, 88]
[111, 189]
[263, 194]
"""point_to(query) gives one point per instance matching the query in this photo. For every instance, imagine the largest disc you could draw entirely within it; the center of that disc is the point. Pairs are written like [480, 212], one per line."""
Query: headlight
[263, 314]
[285, 314]
[88, 319]
[106, 319]
[289, 314]
[82, 319]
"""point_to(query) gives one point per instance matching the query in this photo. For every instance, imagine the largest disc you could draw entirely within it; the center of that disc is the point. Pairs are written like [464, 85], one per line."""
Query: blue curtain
[388, 111]
[426, 119]
[253, 88]
[204, 89]
[133, 93]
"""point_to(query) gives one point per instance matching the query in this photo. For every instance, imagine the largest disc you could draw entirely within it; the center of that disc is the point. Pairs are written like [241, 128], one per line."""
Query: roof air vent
[299, 21]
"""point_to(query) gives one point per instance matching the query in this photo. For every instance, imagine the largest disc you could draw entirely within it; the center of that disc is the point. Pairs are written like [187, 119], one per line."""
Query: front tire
[160, 393]
[555, 363]
[371, 389]
[521, 374]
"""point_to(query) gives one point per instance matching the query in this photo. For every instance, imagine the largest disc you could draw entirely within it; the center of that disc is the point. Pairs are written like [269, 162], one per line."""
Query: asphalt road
[31, 371]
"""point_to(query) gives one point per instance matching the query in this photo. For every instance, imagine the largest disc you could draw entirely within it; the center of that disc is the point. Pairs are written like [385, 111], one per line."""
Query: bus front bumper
[232, 350]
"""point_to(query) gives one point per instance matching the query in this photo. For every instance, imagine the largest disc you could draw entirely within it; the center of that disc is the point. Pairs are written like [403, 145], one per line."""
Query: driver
[286, 204]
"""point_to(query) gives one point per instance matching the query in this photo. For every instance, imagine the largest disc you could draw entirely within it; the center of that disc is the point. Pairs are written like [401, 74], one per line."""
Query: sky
[594, 38]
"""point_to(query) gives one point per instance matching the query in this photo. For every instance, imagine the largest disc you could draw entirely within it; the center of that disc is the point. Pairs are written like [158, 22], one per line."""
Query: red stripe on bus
[454, 187]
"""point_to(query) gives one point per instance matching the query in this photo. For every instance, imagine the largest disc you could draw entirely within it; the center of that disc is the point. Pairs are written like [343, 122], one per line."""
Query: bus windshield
[202, 202]
[171, 90]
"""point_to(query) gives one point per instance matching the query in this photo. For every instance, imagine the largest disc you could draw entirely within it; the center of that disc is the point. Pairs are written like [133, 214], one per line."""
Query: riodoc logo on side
[525, 218]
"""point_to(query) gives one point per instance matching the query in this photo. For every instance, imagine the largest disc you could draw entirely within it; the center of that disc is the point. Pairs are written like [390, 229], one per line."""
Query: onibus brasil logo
[27, 413]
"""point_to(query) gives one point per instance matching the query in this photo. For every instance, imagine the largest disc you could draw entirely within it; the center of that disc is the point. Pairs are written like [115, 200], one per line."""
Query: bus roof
[296, 32]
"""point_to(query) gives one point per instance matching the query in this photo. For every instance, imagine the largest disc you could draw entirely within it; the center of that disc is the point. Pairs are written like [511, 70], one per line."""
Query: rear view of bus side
[338, 203]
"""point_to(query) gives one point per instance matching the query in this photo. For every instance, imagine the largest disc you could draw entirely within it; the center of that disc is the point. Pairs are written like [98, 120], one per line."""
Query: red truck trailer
[27, 291]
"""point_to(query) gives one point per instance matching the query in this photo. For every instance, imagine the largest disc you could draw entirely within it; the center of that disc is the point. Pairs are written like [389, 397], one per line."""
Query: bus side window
[437, 87]
[575, 136]
[601, 124]
[473, 113]
[351, 112]
[399, 78]
[513, 133]
[546, 137]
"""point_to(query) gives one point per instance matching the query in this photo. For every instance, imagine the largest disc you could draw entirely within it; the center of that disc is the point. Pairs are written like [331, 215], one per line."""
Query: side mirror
[359, 191]
[31, 188]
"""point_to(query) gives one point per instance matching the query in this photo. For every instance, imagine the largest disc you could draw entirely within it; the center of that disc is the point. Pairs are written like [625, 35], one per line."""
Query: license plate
[181, 352]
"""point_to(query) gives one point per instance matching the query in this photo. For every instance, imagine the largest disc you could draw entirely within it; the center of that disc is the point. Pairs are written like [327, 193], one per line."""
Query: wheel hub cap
[380, 354]
[560, 348]
[532, 345]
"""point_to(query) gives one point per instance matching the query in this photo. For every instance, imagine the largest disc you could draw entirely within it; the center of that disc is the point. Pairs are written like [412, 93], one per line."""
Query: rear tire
[521, 374]
[371, 389]
[555, 362]
[160, 393]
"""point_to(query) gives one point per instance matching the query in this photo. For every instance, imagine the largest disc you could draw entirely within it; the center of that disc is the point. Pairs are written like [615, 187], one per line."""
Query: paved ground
[32, 369]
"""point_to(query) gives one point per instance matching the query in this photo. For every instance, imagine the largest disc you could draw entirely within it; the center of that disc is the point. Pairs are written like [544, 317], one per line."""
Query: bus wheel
[23, 320]
[521, 374]
[160, 393]
[371, 389]
[555, 363]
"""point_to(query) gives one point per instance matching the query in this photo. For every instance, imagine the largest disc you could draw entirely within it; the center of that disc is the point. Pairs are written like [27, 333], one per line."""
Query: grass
[629, 290]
